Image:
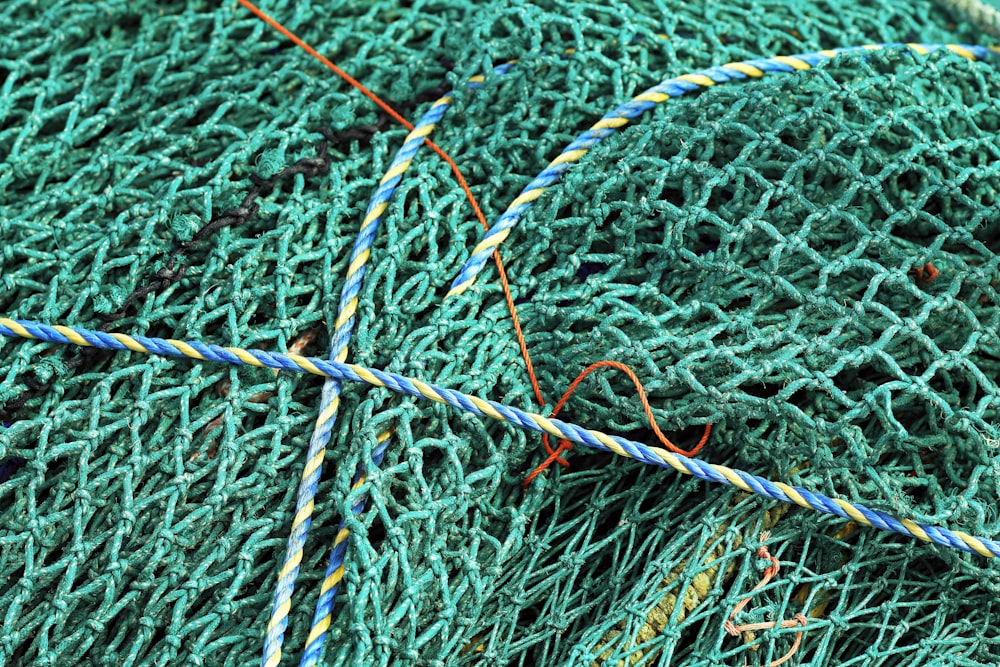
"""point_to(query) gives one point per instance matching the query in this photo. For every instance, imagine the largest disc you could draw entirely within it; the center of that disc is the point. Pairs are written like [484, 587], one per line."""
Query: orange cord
[437, 149]
[508, 297]
[800, 619]
[565, 445]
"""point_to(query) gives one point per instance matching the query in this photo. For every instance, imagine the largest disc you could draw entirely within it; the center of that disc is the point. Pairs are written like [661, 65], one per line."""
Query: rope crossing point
[489, 246]
[485, 408]
[330, 403]
[664, 440]
[745, 200]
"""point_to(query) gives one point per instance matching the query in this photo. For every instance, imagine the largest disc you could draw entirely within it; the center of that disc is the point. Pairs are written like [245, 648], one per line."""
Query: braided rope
[485, 408]
[982, 15]
[323, 615]
[645, 101]
[330, 402]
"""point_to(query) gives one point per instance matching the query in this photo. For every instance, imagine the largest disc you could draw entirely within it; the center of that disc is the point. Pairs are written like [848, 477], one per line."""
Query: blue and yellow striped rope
[640, 104]
[330, 402]
[323, 615]
[527, 420]
[329, 405]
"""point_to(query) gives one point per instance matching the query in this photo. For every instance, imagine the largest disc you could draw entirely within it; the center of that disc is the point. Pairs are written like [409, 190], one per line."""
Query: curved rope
[640, 104]
[336, 370]
[274, 636]
[349, 301]
[530, 421]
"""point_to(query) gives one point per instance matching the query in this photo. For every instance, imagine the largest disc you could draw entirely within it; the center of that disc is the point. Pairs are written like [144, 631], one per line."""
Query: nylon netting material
[753, 252]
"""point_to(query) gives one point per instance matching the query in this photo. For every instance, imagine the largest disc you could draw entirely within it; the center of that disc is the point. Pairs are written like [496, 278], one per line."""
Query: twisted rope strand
[984, 16]
[534, 422]
[800, 619]
[323, 615]
[645, 101]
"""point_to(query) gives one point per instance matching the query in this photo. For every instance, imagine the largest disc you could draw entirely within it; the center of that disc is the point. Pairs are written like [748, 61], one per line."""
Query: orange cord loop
[565, 445]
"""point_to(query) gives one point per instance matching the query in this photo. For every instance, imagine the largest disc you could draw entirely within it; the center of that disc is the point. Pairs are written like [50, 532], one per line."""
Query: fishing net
[809, 262]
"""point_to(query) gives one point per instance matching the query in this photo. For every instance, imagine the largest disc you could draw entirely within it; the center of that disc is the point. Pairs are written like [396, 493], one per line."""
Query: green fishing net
[810, 262]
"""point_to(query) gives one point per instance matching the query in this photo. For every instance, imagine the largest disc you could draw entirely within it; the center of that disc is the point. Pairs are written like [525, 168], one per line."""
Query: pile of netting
[808, 262]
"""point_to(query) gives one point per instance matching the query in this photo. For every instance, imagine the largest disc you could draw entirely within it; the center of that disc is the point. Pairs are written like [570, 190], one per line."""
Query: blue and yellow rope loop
[647, 100]
[485, 408]
[329, 405]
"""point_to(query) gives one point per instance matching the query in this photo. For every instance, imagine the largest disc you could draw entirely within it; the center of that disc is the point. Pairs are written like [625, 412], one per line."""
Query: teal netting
[762, 254]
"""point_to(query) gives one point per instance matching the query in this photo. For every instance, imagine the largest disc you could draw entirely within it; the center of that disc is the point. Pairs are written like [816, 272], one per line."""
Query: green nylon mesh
[757, 253]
